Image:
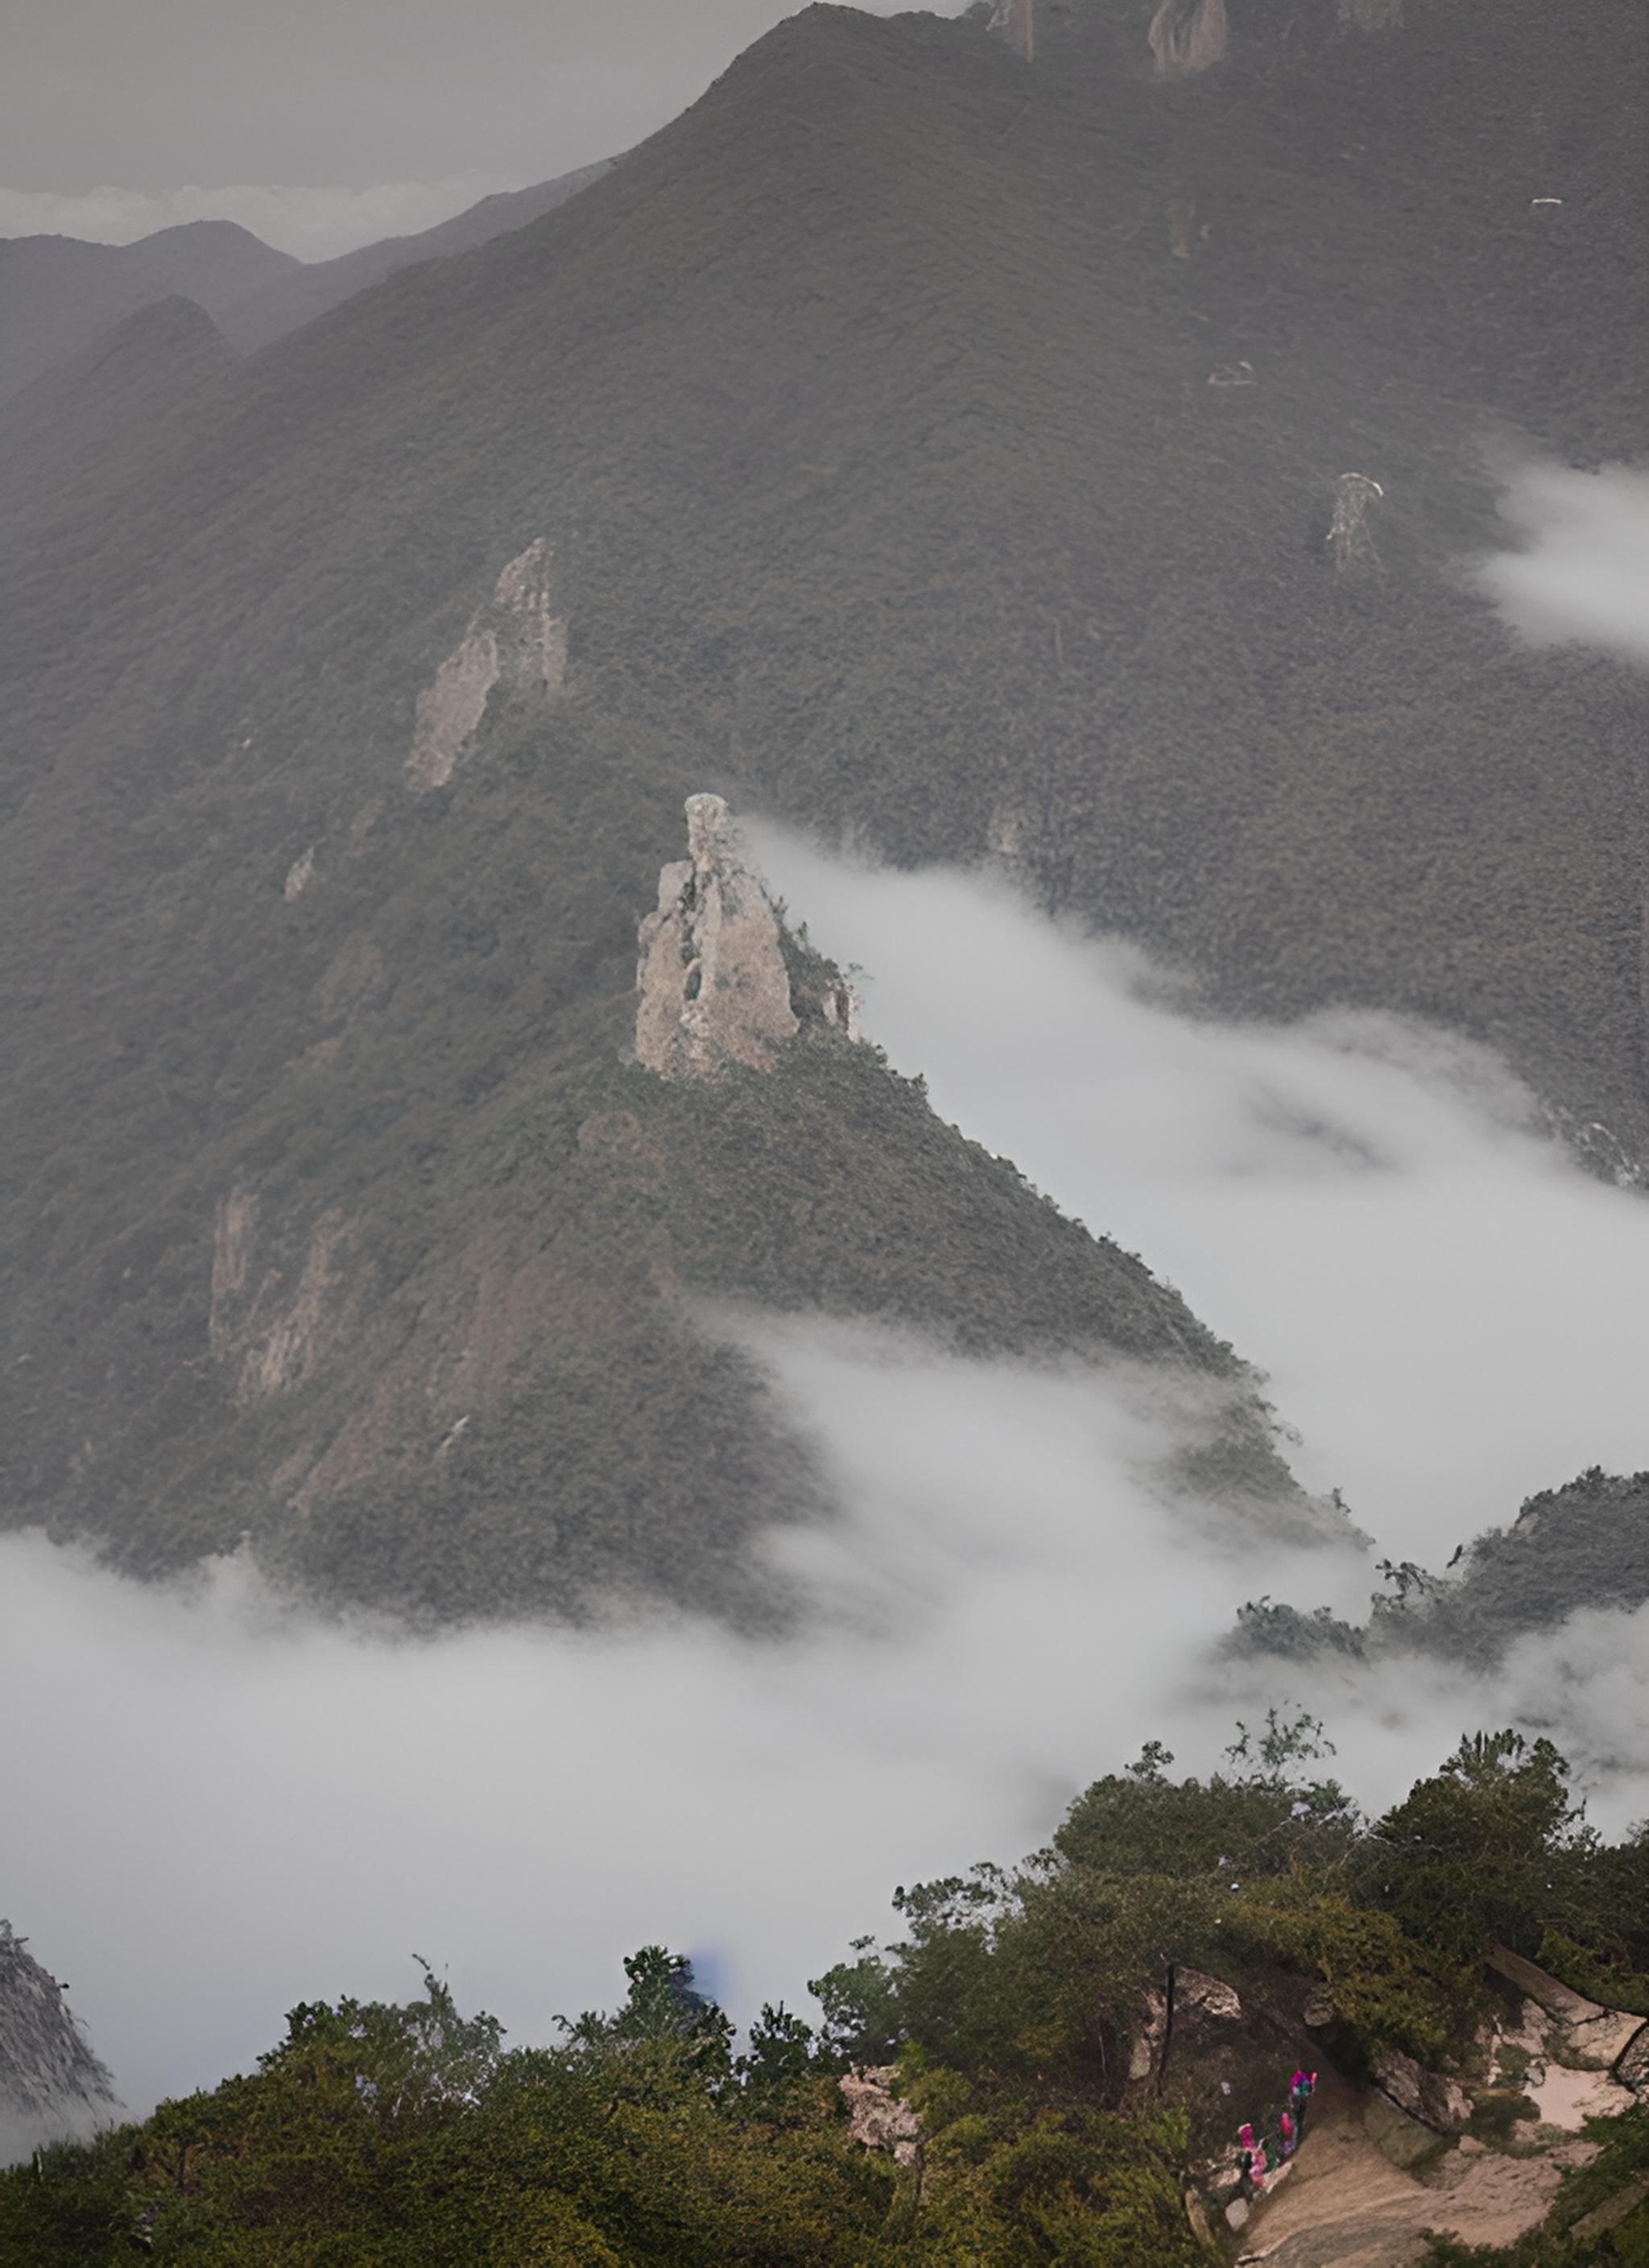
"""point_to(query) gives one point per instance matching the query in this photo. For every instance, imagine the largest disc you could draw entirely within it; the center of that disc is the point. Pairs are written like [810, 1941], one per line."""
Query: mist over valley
[825, 1059]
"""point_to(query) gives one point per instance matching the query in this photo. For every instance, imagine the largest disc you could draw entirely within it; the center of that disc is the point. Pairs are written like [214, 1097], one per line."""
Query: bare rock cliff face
[877, 2119]
[515, 641]
[1187, 35]
[52, 2086]
[713, 984]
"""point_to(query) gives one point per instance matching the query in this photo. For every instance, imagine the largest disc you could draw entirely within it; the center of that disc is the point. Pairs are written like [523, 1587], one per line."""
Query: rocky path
[1347, 2205]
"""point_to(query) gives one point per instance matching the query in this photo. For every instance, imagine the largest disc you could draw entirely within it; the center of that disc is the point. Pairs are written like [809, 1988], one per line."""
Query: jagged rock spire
[515, 640]
[1351, 543]
[1186, 36]
[711, 976]
[1015, 21]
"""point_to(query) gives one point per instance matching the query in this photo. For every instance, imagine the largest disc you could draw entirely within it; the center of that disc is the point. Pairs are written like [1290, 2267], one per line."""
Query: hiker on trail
[1290, 2134]
[1301, 2087]
[1245, 2155]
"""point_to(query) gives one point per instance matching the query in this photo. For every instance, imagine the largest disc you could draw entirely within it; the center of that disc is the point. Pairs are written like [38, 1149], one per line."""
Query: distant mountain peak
[198, 233]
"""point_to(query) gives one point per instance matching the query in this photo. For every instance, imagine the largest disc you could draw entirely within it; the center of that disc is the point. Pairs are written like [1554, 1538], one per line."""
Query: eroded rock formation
[1351, 543]
[273, 1332]
[1584, 2032]
[515, 641]
[1429, 2097]
[711, 976]
[876, 2118]
[1015, 21]
[1187, 35]
[1201, 2004]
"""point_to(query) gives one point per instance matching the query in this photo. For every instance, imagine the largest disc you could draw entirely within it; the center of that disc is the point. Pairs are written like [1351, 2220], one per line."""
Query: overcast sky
[449, 98]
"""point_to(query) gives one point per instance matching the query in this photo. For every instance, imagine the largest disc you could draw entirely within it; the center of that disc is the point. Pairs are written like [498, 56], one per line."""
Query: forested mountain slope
[58, 293]
[877, 432]
[299, 297]
[79, 419]
[1570, 1551]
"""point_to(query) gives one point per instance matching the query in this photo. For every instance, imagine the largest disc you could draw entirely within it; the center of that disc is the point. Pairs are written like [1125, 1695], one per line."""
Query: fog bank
[1581, 572]
[1449, 1312]
[221, 1807]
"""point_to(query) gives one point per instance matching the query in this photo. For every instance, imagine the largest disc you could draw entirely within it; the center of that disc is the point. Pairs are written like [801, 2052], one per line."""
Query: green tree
[1494, 1846]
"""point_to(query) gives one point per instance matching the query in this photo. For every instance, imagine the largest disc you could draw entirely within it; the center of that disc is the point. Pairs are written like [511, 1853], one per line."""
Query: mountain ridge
[865, 416]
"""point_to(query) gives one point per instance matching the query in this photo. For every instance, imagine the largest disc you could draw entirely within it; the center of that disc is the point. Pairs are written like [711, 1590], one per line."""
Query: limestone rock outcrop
[1201, 2005]
[515, 641]
[1429, 2097]
[876, 2118]
[1587, 2034]
[714, 988]
[1187, 36]
[1015, 21]
[273, 1325]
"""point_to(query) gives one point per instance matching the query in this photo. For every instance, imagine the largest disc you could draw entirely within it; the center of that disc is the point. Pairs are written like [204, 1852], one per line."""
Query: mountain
[56, 293]
[1583, 1548]
[907, 442]
[90, 407]
[52, 2087]
[297, 297]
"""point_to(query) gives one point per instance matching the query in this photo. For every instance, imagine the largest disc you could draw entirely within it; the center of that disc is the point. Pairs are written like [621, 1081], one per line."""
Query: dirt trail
[1347, 2205]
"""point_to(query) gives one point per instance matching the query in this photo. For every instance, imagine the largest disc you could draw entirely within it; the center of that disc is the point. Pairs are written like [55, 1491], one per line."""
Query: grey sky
[151, 94]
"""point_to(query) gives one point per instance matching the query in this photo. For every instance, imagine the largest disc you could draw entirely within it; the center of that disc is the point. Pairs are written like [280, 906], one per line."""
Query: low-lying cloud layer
[1582, 571]
[1449, 1312]
[219, 1809]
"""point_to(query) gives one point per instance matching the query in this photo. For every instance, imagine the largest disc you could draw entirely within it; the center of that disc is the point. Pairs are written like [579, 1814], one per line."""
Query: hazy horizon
[118, 122]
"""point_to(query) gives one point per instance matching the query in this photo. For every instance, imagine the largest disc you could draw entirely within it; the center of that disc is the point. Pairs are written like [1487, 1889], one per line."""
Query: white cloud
[311, 222]
[1582, 573]
[1448, 1310]
[218, 1809]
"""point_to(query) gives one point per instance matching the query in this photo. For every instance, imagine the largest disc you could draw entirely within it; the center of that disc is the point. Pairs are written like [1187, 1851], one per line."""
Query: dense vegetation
[414, 2138]
[867, 412]
[1583, 1546]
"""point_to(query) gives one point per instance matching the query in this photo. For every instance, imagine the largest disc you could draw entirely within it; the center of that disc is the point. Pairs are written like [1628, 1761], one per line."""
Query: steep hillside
[299, 297]
[57, 293]
[52, 2087]
[85, 413]
[882, 438]
[428, 1320]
